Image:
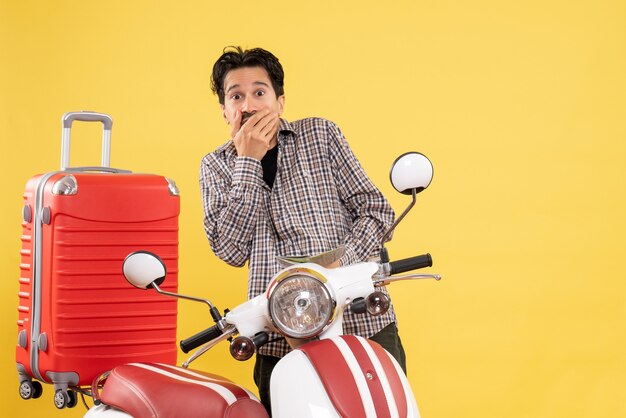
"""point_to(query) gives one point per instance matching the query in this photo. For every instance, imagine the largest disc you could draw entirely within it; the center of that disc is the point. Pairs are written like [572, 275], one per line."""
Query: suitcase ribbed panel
[91, 317]
[87, 275]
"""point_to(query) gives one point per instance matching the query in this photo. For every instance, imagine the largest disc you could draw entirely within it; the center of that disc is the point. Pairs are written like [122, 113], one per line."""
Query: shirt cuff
[247, 171]
[349, 257]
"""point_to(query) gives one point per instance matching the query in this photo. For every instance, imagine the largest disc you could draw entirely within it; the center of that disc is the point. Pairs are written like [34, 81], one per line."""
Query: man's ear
[281, 105]
[224, 113]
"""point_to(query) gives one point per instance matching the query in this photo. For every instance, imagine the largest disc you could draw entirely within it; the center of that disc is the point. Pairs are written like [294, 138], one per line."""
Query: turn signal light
[242, 348]
[377, 303]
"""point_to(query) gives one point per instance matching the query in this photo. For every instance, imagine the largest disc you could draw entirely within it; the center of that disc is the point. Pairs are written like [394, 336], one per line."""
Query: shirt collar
[285, 131]
[285, 127]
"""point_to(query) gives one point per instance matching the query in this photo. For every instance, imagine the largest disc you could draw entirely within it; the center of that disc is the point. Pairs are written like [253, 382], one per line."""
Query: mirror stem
[215, 313]
[384, 255]
[388, 233]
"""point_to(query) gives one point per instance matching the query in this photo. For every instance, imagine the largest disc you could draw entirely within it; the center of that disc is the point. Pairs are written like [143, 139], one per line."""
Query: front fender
[341, 376]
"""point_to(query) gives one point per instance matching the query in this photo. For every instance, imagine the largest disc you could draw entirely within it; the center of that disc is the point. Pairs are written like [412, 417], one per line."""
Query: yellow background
[521, 106]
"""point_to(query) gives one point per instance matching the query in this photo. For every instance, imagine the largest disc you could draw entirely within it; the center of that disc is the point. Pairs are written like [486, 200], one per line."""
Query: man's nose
[248, 105]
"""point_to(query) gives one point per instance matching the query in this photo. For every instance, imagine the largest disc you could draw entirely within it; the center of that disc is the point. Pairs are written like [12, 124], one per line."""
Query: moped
[327, 374]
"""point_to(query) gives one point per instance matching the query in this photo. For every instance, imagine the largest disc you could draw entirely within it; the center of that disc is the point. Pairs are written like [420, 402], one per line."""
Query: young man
[280, 188]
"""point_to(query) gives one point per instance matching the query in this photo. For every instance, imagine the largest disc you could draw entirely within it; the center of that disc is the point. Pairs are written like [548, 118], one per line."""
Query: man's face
[246, 91]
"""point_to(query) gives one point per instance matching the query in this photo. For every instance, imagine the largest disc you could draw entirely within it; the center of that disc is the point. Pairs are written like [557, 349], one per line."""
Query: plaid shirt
[321, 199]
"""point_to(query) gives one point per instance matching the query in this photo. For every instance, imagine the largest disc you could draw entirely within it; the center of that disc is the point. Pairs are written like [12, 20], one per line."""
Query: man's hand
[333, 265]
[256, 135]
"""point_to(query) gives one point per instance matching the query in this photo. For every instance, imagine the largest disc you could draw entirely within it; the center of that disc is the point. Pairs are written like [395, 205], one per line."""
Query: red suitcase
[78, 317]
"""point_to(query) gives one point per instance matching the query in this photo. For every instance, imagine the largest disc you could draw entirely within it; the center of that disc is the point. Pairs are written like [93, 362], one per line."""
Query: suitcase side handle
[86, 116]
[98, 169]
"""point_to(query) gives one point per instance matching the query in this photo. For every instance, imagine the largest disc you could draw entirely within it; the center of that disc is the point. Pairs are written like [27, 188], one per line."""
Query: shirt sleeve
[371, 213]
[231, 206]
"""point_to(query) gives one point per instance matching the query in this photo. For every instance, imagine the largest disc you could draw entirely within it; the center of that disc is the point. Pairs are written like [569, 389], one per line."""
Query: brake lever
[228, 332]
[384, 281]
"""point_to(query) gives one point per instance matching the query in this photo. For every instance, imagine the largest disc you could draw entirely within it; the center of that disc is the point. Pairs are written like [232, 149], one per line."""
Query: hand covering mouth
[245, 116]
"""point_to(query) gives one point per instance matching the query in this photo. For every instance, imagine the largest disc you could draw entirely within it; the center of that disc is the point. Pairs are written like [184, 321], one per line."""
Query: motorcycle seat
[159, 390]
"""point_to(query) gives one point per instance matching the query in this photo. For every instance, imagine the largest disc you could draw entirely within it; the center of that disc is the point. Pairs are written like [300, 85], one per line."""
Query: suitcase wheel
[30, 389]
[63, 399]
[73, 399]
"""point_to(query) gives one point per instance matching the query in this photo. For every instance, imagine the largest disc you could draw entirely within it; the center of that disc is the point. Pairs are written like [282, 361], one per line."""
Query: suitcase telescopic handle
[86, 116]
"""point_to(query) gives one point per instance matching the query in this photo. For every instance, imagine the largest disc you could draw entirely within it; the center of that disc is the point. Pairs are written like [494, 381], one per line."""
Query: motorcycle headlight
[300, 304]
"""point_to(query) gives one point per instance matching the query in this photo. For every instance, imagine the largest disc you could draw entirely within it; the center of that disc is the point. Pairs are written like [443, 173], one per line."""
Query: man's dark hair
[234, 57]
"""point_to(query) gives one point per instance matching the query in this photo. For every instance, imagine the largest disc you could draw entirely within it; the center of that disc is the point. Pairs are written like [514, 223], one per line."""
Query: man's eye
[260, 93]
[236, 96]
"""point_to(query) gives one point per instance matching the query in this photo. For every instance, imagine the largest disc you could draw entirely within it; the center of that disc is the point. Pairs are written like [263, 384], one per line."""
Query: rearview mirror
[410, 174]
[411, 171]
[143, 268]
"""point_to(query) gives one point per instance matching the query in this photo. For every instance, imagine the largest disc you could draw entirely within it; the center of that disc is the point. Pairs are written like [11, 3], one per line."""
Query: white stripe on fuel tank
[359, 378]
[228, 396]
[393, 408]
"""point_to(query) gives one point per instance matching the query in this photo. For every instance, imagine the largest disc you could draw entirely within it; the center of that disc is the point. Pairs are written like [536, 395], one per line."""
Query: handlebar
[200, 338]
[412, 263]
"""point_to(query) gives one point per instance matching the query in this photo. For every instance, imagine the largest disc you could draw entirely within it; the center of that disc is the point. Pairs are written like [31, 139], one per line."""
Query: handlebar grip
[413, 263]
[200, 338]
